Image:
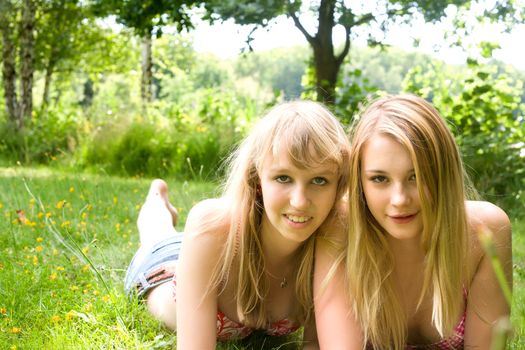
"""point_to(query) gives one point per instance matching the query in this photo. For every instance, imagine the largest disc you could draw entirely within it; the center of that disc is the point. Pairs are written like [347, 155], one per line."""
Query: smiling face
[389, 186]
[296, 200]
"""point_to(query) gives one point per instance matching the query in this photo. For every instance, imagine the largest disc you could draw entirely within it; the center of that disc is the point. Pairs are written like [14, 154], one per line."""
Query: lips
[403, 218]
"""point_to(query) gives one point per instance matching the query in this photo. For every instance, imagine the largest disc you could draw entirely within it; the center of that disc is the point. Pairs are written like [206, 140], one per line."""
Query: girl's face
[296, 201]
[389, 185]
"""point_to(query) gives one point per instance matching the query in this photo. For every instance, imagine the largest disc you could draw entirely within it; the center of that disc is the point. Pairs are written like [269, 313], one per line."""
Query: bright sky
[227, 40]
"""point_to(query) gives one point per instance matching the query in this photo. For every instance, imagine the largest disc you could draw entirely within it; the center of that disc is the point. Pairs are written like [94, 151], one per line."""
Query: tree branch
[340, 58]
[299, 25]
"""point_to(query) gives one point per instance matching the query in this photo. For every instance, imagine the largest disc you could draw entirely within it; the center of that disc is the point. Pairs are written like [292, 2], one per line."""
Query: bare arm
[196, 304]
[486, 300]
[336, 326]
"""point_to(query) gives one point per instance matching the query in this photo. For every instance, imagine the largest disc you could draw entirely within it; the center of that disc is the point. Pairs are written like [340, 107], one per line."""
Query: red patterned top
[229, 330]
[455, 341]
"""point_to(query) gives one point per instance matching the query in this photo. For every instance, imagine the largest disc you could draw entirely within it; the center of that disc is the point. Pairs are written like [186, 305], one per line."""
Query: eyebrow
[321, 172]
[379, 171]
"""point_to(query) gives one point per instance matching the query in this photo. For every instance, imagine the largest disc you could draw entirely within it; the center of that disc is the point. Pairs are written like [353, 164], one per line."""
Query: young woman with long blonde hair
[413, 274]
[246, 258]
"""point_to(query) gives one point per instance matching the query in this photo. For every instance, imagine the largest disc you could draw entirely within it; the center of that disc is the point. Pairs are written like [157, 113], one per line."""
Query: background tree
[22, 16]
[147, 19]
[66, 32]
[373, 18]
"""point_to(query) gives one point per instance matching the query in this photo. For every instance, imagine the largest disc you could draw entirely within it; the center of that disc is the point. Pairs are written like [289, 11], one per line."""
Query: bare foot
[157, 217]
[159, 188]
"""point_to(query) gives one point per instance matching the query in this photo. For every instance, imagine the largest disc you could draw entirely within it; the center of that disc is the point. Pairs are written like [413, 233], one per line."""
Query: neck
[406, 250]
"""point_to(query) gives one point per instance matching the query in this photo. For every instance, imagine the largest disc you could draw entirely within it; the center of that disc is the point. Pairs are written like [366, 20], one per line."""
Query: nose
[399, 195]
[299, 197]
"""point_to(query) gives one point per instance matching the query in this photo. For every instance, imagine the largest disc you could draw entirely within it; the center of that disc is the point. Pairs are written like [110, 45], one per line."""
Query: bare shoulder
[487, 218]
[489, 215]
[209, 217]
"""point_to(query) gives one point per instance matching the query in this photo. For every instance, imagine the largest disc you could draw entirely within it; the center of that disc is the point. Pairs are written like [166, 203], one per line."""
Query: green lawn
[65, 242]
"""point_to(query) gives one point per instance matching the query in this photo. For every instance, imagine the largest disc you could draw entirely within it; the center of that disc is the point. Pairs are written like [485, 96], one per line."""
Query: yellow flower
[39, 249]
[60, 268]
[70, 315]
[96, 292]
[71, 189]
[60, 204]
[3, 311]
[73, 288]
[48, 215]
[35, 260]
[13, 347]
[117, 227]
[15, 330]
[88, 307]
[40, 215]
[53, 276]
[115, 200]
[1, 205]
[85, 250]
[85, 268]
[106, 298]
[55, 318]
[84, 216]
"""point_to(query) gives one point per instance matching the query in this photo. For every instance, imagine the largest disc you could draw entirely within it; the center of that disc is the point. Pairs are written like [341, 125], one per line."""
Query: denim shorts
[145, 270]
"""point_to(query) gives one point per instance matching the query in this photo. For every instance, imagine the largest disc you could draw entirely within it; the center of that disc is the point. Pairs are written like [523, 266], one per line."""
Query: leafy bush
[46, 137]
[487, 117]
[180, 140]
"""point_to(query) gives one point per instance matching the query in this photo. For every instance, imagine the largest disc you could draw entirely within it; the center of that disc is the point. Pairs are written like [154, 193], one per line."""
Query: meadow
[65, 242]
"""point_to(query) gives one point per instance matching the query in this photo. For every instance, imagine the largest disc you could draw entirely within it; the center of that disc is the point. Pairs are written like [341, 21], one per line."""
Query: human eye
[282, 179]
[412, 178]
[320, 181]
[378, 179]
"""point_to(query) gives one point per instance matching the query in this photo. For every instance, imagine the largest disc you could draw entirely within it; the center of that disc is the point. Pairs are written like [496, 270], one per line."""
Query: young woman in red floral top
[246, 258]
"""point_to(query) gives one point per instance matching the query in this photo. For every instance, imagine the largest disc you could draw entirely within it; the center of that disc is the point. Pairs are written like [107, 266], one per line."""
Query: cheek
[373, 198]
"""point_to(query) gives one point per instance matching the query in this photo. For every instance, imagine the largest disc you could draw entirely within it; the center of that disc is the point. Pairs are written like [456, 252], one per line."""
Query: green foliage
[487, 117]
[185, 142]
[280, 69]
[352, 90]
[47, 136]
[144, 16]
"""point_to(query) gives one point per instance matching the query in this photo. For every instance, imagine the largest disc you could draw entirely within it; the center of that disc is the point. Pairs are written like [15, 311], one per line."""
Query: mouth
[298, 219]
[402, 218]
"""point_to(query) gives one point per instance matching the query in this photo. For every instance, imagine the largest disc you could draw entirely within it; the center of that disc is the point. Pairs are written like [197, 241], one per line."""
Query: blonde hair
[310, 135]
[417, 125]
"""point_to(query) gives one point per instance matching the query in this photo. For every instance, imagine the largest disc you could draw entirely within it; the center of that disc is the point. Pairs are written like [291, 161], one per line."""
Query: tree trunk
[9, 68]
[147, 74]
[326, 67]
[47, 81]
[26, 60]
[326, 63]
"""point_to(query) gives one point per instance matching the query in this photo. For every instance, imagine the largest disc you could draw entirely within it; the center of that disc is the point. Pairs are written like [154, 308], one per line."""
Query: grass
[65, 242]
